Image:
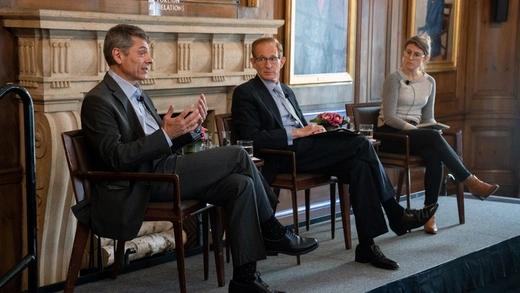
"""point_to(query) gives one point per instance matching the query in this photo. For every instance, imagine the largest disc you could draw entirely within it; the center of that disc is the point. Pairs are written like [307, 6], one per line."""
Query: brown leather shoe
[431, 226]
[480, 189]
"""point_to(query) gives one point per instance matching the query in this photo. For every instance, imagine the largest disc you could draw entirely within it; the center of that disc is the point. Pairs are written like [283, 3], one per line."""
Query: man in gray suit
[125, 133]
[266, 111]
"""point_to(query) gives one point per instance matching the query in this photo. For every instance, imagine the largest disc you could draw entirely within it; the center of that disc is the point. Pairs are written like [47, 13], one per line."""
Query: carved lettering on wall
[26, 52]
[60, 57]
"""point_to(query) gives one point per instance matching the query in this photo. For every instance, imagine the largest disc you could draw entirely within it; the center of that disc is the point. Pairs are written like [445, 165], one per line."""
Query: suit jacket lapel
[119, 95]
[268, 100]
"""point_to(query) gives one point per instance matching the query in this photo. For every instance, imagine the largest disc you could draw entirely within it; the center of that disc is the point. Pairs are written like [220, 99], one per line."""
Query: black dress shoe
[373, 255]
[253, 287]
[290, 244]
[412, 219]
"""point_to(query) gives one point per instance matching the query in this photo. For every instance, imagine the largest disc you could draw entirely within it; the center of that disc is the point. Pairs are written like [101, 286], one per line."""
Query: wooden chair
[297, 181]
[369, 113]
[81, 164]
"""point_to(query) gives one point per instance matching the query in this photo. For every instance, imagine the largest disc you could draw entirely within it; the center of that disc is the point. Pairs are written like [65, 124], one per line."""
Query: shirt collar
[270, 85]
[130, 90]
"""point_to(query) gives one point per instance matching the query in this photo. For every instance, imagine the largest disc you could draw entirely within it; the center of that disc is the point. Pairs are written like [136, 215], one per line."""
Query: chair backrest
[79, 158]
[225, 123]
[364, 113]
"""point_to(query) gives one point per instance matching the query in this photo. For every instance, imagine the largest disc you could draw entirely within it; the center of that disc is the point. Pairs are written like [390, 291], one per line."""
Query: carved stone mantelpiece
[60, 58]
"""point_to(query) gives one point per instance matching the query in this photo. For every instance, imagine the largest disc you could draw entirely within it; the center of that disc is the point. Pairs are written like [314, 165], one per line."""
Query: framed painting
[320, 40]
[439, 19]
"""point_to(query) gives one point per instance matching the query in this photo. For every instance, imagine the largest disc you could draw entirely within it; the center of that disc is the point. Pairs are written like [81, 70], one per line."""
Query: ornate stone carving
[27, 60]
[60, 57]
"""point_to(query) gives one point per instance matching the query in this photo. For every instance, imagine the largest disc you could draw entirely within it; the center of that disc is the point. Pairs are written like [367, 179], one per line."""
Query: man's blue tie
[288, 106]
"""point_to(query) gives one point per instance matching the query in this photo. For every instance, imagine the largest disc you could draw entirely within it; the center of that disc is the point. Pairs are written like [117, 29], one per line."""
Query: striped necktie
[145, 117]
[288, 106]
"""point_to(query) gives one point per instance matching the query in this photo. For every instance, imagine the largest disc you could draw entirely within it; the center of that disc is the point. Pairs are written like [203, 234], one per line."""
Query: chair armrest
[134, 176]
[400, 139]
[456, 137]
[129, 176]
[282, 153]
[285, 153]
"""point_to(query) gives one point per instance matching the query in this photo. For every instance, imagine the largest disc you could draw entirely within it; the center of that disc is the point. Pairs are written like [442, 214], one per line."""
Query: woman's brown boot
[431, 226]
[480, 189]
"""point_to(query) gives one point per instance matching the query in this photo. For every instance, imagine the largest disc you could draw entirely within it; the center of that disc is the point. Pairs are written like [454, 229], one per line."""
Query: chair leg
[217, 233]
[228, 252]
[78, 249]
[294, 194]
[399, 190]
[460, 202]
[120, 250]
[307, 208]
[408, 187]
[276, 191]
[179, 251]
[344, 204]
[205, 244]
[333, 210]
[224, 228]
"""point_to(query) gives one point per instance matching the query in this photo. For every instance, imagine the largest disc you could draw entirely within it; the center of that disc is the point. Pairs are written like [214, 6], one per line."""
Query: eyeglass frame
[264, 60]
[414, 55]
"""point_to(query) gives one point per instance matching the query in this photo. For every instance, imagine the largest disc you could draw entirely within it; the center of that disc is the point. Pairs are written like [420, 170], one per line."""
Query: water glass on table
[226, 138]
[367, 130]
[247, 145]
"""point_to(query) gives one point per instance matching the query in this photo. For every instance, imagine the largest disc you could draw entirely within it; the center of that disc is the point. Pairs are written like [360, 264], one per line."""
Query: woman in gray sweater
[408, 100]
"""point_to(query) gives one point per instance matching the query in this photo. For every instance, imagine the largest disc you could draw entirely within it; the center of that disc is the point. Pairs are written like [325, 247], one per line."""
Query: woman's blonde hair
[423, 42]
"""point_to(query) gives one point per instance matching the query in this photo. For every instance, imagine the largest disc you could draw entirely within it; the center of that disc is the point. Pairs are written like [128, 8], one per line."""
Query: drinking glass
[367, 130]
[247, 145]
[226, 138]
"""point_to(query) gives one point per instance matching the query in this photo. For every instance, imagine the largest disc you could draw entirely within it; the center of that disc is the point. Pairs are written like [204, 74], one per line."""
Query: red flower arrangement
[204, 134]
[330, 119]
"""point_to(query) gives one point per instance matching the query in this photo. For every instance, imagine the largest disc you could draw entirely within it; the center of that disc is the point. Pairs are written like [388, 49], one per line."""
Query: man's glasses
[263, 60]
[416, 55]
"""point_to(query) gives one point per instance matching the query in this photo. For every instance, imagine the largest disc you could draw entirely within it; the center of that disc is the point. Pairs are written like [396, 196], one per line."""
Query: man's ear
[282, 61]
[117, 54]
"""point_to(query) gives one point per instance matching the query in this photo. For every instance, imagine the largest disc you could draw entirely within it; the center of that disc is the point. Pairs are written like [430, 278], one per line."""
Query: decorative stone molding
[61, 58]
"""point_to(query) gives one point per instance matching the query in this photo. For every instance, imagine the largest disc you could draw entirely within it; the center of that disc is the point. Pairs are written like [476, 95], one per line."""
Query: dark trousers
[353, 160]
[226, 177]
[435, 150]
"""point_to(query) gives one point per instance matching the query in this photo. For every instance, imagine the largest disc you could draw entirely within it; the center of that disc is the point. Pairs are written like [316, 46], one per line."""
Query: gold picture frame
[312, 57]
[425, 16]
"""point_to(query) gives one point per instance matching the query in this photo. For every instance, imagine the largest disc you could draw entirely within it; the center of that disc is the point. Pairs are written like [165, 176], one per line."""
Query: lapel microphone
[140, 99]
[407, 83]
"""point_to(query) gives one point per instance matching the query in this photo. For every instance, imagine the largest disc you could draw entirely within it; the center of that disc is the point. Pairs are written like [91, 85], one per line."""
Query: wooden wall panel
[10, 167]
[379, 24]
[491, 98]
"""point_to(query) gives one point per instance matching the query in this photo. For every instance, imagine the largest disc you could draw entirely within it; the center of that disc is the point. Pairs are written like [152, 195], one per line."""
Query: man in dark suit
[266, 111]
[125, 133]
